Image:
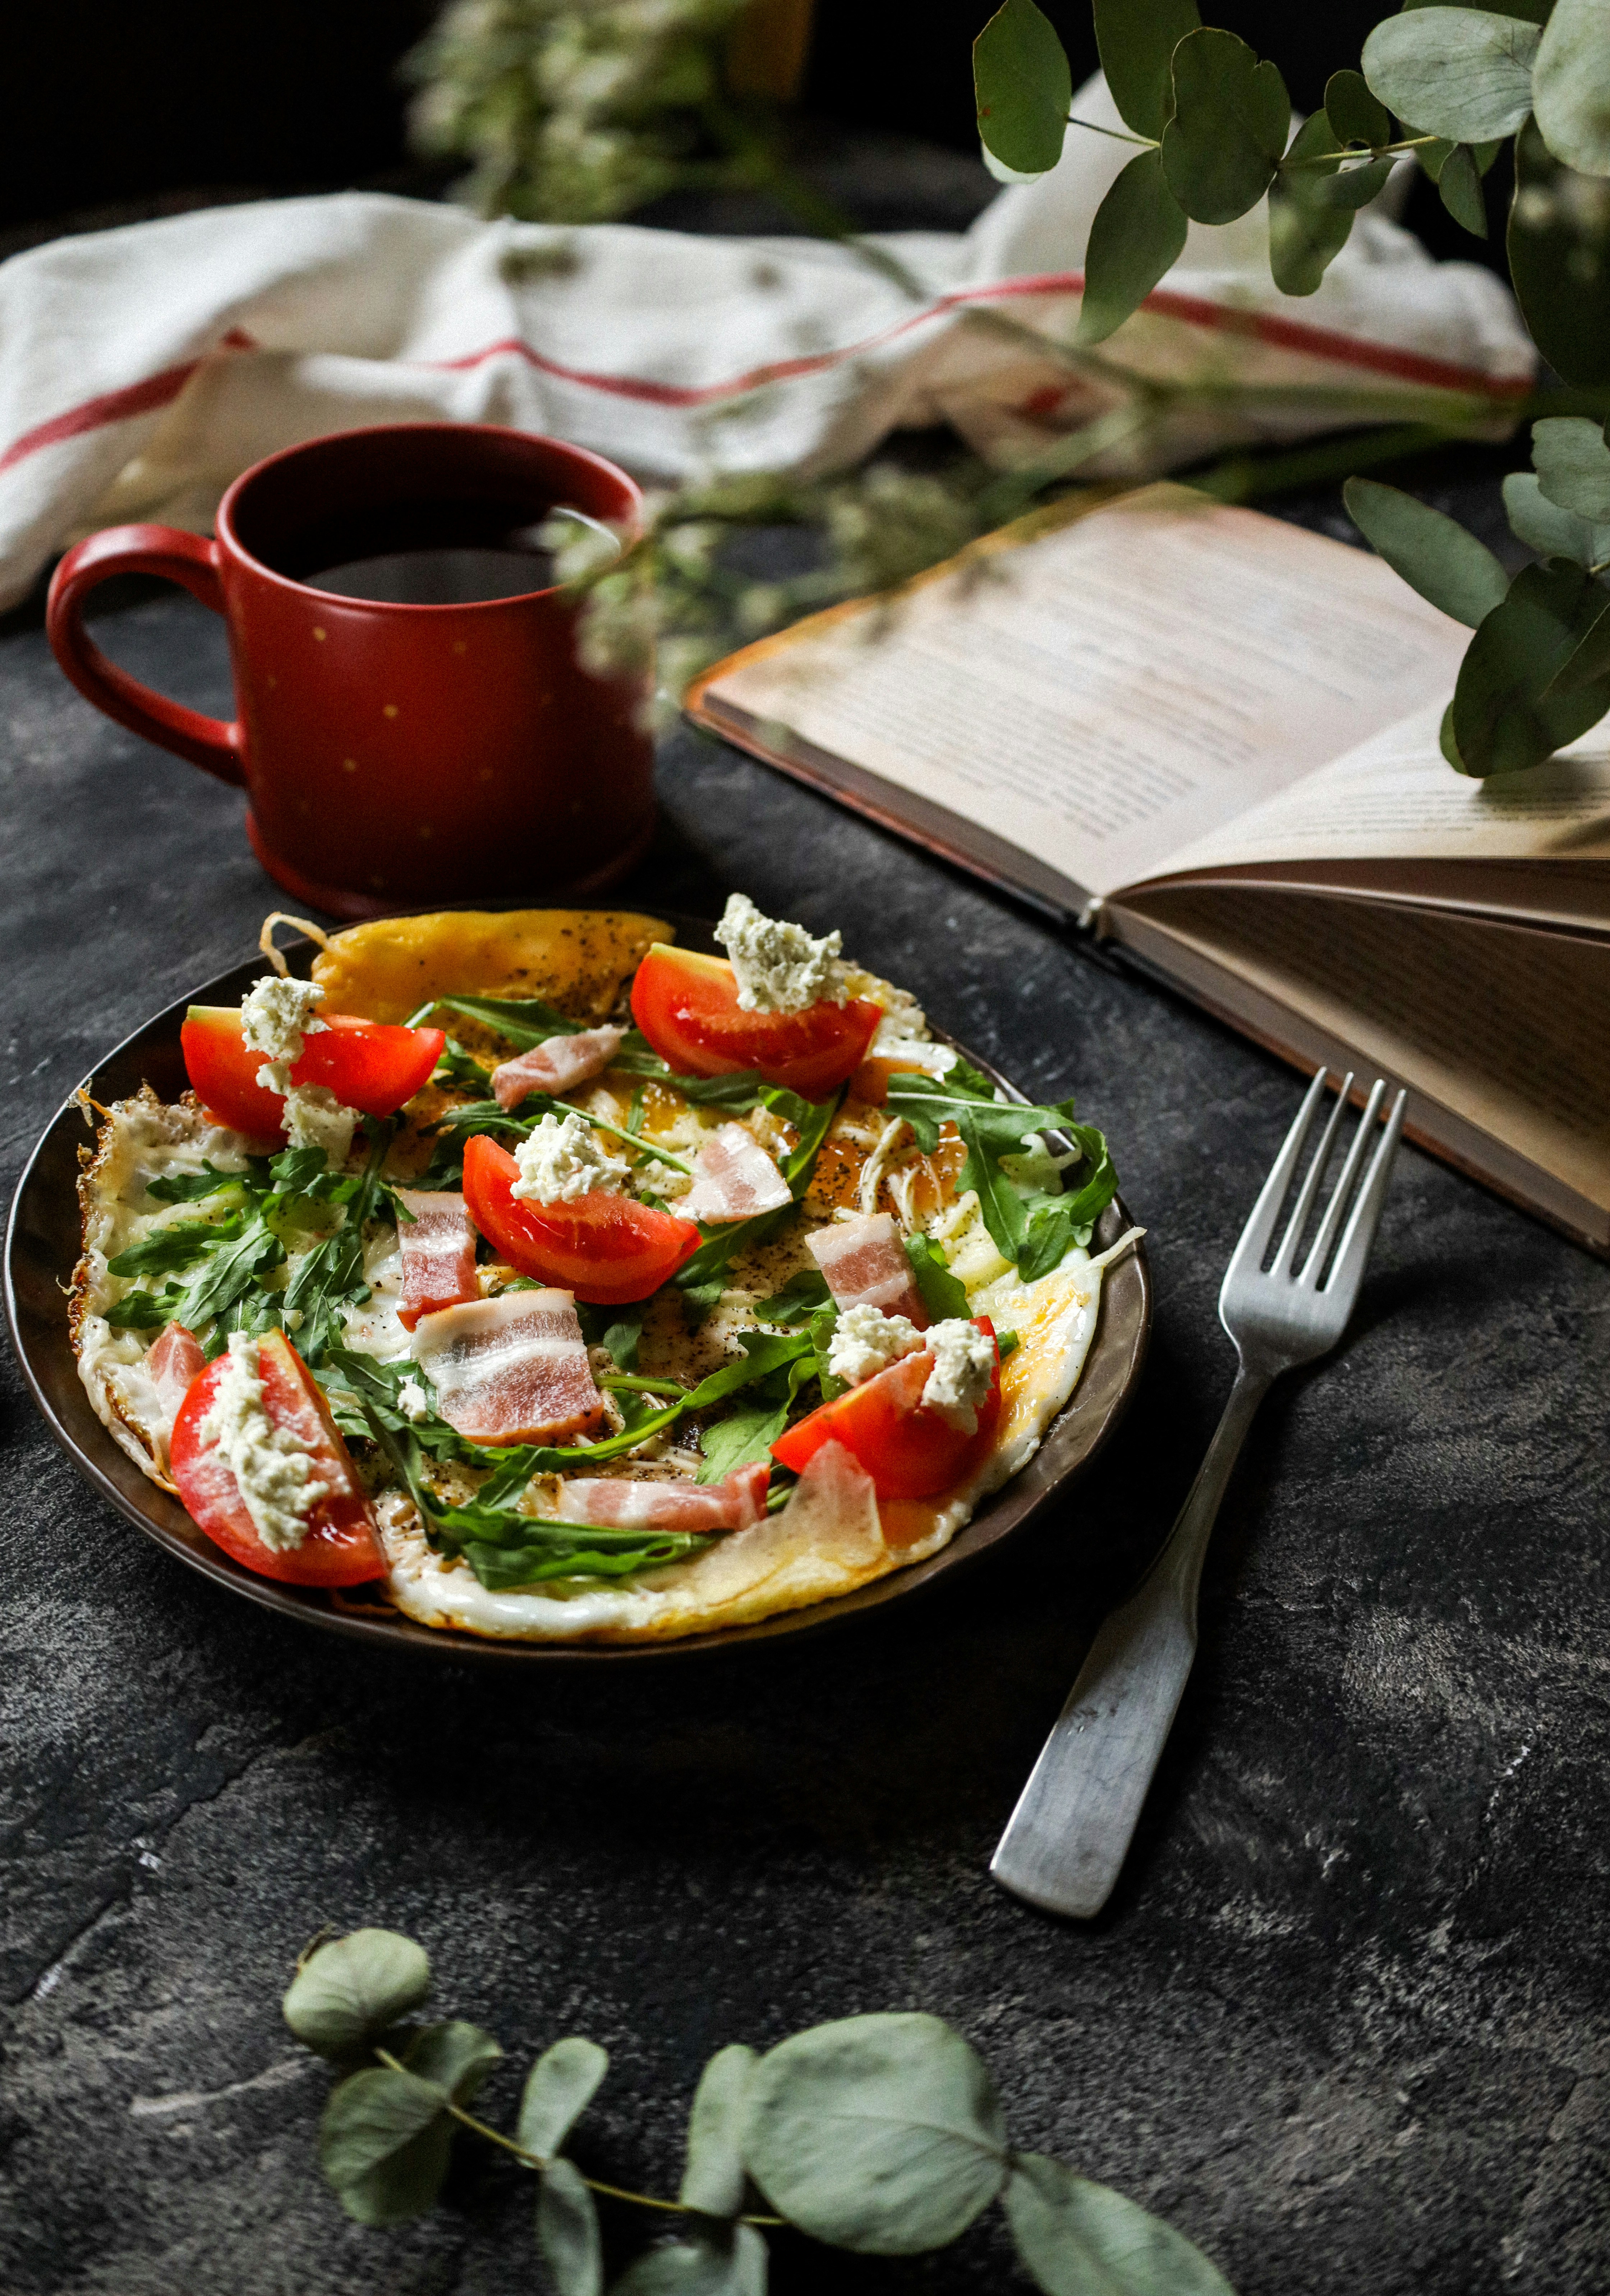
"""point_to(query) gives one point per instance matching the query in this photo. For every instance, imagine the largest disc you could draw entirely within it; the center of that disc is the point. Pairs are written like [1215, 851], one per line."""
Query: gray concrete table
[1345, 2021]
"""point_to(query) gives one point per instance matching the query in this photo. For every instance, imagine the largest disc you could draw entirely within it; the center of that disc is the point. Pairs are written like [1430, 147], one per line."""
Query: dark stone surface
[1345, 2021]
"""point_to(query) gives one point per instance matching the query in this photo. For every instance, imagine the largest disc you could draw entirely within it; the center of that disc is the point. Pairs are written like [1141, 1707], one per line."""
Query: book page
[1395, 798]
[1504, 1025]
[1105, 692]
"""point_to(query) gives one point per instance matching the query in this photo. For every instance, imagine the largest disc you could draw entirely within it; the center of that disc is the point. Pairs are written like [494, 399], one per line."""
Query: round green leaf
[726, 2261]
[1316, 170]
[1547, 528]
[1573, 465]
[880, 2133]
[1135, 39]
[1571, 84]
[1354, 113]
[1588, 664]
[1023, 87]
[1460, 72]
[712, 2181]
[1504, 717]
[558, 2089]
[567, 2231]
[383, 2145]
[354, 1988]
[1459, 182]
[1560, 261]
[1080, 2238]
[1303, 240]
[1231, 118]
[1434, 554]
[457, 2057]
[1137, 235]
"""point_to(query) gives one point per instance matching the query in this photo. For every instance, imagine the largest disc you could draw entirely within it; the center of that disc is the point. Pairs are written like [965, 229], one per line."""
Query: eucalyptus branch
[1118, 135]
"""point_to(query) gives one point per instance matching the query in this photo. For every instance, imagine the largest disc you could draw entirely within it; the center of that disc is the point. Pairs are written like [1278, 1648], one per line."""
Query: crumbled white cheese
[272, 1470]
[562, 1158]
[276, 1017]
[412, 1401]
[963, 1361]
[865, 1340]
[315, 1118]
[780, 967]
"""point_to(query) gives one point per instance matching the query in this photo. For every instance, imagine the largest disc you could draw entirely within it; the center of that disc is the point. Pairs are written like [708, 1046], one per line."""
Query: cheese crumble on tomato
[272, 1471]
[964, 1358]
[277, 1017]
[866, 1341]
[562, 1158]
[778, 967]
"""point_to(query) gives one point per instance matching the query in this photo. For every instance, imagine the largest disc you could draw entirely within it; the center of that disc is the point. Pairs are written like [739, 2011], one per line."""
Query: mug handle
[213, 743]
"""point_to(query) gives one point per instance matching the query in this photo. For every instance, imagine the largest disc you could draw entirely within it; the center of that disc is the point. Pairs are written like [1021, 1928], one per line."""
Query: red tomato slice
[687, 1006]
[365, 1064]
[604, 1248]
[341, 1548]
[908, 1452]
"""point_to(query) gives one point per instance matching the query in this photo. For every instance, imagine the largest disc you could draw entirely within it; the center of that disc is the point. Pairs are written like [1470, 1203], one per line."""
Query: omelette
[541, 1280]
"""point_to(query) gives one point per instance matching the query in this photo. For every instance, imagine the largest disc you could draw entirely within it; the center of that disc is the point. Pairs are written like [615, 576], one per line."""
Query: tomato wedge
[606, 1249]
[687, 1006]
[341, 1548]
[909, 1453]
[367, 1064]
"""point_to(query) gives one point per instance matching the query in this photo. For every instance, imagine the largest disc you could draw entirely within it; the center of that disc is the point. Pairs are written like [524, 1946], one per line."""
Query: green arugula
[1031, 1227]
[332, 1275]
[700, 1279]
[799, 1300]
[943, 1294]
[190, 1187]
[526, 1021]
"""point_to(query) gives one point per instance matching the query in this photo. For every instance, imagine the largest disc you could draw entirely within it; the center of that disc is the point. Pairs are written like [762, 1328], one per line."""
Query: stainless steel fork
[1071, 1830]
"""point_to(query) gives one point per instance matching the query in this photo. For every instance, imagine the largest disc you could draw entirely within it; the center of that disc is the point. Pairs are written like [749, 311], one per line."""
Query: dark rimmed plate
[42, 1248]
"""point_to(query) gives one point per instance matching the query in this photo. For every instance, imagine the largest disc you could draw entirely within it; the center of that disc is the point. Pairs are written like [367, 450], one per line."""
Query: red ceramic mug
[394, 754]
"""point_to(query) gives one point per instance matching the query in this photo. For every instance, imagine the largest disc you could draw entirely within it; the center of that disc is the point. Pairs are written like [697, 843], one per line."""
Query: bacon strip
[865, 1265]
[510, 1370]
[733, 1505]
[734, 1178]
[174, 1359]
[438, 1254]
[556, 1064]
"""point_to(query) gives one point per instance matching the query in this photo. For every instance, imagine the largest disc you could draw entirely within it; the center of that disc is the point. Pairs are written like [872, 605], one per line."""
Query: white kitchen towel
[142, 369]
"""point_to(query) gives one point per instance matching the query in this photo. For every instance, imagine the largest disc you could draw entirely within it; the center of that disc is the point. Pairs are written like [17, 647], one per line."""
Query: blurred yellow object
[767, 48]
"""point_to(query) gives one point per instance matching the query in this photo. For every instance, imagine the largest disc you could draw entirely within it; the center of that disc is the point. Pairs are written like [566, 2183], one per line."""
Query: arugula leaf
[190, 1187]
[141, 1311]
[1029, 1228]
[456, 1067]
[228, 1274]
[799, 1300]
[178, 1245]
[499, 1568]
[698, 1277]
[750, 1433]
[740, 1091]
[332, 1274]
[943, 1294]
[524, 1021]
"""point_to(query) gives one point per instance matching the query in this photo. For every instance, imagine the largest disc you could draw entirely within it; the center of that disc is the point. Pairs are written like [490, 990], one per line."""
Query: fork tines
[1357, 1198]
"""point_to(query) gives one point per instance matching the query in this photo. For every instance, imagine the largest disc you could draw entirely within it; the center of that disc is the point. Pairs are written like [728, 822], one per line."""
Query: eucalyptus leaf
[1571, 84]
[1547, 528]
[1076, 2238]
[1560, 261]
[1137, 235]
[1231, 118]
[567, 2231]
[1573, 465]
[456, 2056]
[559, 2088]
[354, 1988]
[1136, 40]
[1433, 553]
[713, 2180]
[384, 2143]
[722, 2261]
[1588, 664]
[1462, 73]
[1305, 234]
[1354, 114]
[881, 2134]
[1459, 183]
[1023, 87]
[1505, 718]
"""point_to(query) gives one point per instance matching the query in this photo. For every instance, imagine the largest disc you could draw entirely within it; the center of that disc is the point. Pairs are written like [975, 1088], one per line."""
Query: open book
[1212, 738]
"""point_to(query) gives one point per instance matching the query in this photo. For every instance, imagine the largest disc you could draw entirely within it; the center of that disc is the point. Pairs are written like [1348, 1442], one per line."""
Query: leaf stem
[535, 2163]
[1118, 135]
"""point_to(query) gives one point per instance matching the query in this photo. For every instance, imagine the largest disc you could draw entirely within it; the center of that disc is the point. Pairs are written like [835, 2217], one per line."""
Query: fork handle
[1066, 1841]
